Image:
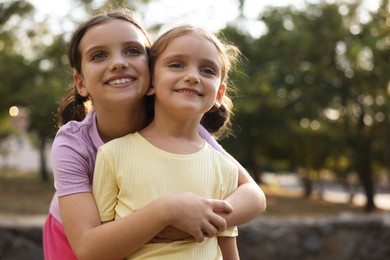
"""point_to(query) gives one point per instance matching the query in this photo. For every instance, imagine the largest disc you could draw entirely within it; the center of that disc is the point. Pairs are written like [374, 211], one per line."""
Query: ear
[220, 94]
[151, 91]
[79, 82]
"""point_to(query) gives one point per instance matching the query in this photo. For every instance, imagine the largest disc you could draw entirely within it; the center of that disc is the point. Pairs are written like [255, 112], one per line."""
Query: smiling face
[187, 75]
[114, 64]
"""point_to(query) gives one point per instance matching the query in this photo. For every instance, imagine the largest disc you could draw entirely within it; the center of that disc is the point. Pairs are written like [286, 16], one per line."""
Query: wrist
[164, 210]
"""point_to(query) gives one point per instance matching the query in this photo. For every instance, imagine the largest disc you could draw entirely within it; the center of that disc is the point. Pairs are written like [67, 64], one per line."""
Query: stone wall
[339, 238]
[20, 243]
[342, 238]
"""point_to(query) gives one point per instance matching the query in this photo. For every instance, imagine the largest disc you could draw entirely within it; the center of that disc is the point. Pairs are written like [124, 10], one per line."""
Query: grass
[287, 203]
[26, 194]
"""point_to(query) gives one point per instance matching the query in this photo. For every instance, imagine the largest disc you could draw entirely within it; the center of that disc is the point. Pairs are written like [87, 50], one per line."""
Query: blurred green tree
[34, 73]
[312, 92]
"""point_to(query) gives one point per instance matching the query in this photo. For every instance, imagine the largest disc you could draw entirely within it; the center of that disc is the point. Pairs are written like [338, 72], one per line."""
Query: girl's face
[187, 75]
[114, 64]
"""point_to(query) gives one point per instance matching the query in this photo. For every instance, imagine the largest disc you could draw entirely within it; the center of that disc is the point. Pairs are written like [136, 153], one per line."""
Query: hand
[170, 234]
[196, 215]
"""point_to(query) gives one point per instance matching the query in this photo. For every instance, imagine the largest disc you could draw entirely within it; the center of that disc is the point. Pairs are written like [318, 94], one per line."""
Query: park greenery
[313, 89]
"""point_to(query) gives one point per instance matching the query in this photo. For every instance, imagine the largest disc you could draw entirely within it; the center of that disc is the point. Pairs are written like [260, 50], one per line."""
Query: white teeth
[189, 92]
[119, 81]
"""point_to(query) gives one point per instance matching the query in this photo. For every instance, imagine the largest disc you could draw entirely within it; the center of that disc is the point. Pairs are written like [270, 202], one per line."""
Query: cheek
[159, 79]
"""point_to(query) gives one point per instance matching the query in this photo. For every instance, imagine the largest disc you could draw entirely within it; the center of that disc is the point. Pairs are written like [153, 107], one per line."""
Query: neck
[113, 124]
[174, 135]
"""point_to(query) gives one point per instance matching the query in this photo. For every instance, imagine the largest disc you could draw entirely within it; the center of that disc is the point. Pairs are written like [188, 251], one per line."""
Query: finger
[209, 230]
[218, 222]
[198, 236]
[221, 206]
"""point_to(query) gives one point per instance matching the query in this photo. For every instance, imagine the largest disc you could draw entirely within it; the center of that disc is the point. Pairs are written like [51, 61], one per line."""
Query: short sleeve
[104, 186]
[70, 164]
[229, 232]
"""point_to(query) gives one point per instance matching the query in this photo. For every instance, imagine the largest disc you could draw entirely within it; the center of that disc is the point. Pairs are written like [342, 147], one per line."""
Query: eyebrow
[98, 47]
[181, 56]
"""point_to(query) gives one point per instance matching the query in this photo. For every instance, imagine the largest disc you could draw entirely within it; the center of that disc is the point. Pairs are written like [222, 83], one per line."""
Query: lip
[189, 91]
[120, 80]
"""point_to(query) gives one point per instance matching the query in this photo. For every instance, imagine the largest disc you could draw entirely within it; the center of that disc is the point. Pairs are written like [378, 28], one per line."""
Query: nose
[192, 76]
[119, 63]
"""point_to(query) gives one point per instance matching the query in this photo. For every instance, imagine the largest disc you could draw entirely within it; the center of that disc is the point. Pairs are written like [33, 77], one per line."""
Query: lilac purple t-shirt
[73, 157]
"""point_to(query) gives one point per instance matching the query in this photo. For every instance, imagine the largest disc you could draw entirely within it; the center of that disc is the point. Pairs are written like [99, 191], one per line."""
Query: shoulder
[220, 156]
[77, 139]
[117, 145]
[80, 132]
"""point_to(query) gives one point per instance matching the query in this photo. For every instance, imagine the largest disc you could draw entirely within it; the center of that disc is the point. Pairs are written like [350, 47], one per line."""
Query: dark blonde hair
[217, 120]
[72, 104]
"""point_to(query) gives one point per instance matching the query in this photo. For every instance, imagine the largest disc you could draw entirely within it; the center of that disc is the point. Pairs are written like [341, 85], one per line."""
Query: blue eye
[133, 51]
[208, 71]
[98, 56]
[175, 65]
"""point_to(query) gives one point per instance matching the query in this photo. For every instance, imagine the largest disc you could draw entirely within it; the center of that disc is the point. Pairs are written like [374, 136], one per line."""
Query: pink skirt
[55, 243]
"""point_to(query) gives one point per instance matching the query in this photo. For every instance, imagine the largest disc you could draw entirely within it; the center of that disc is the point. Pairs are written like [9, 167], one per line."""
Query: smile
[119, 81]
[189, 91]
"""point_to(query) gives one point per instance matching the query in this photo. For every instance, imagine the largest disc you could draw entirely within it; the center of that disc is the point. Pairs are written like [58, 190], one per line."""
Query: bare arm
[118, 239]
[248, 201]
[228, 247]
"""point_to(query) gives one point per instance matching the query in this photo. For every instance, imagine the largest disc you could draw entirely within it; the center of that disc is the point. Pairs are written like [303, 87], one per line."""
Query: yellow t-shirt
[130, 173]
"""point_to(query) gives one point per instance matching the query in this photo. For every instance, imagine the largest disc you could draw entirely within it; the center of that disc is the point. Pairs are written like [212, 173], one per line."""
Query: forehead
[112, 31]
[193, 44]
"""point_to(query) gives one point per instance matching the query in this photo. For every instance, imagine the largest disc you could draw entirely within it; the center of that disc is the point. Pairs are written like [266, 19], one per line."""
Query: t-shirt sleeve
[210, 139]
[70, 165]
[105, 188]
[230, 185]
[229, 232]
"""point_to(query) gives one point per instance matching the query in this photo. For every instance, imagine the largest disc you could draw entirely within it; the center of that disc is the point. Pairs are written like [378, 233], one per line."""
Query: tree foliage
[312, 90]
[313, 93]
[34, 83]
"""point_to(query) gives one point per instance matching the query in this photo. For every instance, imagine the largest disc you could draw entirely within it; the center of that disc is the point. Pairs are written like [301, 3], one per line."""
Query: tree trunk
[363, 167]
[256, 173]
[307, 186]
[368, 186]
[42, 156]
[364, 170]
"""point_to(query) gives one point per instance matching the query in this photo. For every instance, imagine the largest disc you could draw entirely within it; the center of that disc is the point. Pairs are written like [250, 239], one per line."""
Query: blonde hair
[217, 120]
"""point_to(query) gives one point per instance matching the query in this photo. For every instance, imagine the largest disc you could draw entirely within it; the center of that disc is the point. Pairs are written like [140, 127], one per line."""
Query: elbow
[263, 202]
[83, 252]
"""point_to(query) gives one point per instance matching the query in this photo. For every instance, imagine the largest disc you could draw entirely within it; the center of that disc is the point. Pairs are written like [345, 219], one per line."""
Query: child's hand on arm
[170, 234]
[193, 216]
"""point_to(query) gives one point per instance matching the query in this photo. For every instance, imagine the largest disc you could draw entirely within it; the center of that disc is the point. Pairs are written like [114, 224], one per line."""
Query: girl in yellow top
[190, 69]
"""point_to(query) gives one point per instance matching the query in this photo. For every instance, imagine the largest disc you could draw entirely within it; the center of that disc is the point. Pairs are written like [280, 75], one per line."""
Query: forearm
[228, 246]
[113, 240]
[248, 200]
[120, 238]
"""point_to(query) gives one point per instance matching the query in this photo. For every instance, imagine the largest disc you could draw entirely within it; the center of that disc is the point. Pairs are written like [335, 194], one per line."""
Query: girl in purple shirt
[108, 54]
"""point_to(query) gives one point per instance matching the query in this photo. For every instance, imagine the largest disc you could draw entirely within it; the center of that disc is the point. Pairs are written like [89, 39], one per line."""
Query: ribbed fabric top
[73, 156]
[130, 173]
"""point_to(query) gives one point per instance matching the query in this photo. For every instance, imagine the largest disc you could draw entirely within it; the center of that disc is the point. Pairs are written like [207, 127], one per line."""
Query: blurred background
[311, 108]
[312, 104]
